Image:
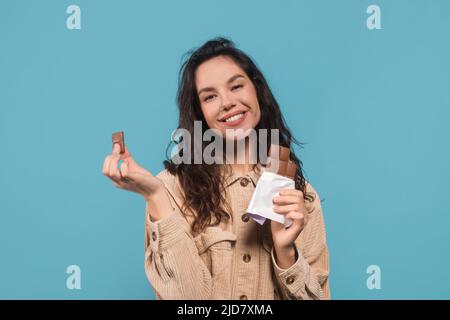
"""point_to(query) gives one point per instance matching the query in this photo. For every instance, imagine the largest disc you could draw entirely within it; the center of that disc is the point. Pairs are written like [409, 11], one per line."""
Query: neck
[242, 160]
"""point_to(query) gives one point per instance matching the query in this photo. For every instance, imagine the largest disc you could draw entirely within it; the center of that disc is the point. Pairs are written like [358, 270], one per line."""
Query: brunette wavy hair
[203, 184]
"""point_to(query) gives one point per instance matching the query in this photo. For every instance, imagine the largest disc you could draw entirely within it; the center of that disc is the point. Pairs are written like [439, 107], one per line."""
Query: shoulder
[314, 204]
[172, 185]
[310, 189]
[167, 178]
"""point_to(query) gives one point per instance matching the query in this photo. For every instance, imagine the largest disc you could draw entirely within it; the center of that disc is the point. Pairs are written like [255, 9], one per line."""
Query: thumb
[128, 159]
[126, 154]
[132, 165]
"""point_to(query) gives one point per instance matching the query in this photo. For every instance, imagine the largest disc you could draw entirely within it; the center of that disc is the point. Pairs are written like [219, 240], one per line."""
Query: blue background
[372, 106]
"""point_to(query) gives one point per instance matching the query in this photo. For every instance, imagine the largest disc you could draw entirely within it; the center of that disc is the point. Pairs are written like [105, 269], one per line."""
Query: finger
[291, 192]
[133, 165]
[116, 148]
[284, 209]
[283, 200]
[105, 169]
[124, 169]
[298, 220]
[125, 173]
[294, 215]
[126, 154]
[115, 157]
[113, 167]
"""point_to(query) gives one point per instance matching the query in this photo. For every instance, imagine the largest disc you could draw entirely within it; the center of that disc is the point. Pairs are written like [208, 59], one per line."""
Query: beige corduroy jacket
[233, 260]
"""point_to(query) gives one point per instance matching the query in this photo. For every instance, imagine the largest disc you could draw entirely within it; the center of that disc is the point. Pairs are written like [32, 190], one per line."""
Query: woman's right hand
[132, 177]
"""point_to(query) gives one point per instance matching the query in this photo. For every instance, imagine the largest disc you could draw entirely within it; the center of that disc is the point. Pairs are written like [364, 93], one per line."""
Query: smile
[234, 119]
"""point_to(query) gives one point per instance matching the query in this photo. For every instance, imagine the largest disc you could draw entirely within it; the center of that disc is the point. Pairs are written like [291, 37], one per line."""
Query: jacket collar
[253, 175]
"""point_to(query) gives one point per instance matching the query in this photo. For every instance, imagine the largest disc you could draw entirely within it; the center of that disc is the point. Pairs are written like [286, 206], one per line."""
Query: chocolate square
[118, 137]
[283, 152]
[280, 163]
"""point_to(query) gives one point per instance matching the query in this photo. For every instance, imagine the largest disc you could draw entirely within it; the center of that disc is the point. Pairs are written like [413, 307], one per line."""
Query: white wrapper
[261, 205]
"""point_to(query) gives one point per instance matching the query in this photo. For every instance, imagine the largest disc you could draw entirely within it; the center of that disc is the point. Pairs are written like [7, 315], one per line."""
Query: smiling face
[227, 96]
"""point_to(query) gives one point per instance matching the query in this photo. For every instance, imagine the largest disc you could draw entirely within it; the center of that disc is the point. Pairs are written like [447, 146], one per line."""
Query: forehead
[216, 71]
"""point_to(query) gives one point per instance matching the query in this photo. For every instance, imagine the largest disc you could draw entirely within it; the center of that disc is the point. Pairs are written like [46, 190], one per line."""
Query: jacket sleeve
[308, 277]
[172, 262]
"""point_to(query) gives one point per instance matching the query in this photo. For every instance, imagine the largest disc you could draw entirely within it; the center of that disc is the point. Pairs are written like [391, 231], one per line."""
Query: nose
[226, 107]
[227, 103]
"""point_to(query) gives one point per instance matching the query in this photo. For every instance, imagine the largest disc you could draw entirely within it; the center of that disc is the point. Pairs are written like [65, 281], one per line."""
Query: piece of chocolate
[279, 152]
[278, 162]
[118, 137]
[291, 170]
[277, 166]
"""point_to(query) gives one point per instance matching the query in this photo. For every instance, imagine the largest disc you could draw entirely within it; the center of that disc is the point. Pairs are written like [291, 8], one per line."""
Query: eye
[237, 86]
[208, 98]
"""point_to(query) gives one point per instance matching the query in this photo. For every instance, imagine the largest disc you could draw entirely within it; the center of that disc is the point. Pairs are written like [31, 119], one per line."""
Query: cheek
[257, 116]
[252, 100]
[210, 113]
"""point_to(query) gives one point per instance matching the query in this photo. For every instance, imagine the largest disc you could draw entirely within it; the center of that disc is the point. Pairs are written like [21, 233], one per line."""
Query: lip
[231, 114]
[235, 122]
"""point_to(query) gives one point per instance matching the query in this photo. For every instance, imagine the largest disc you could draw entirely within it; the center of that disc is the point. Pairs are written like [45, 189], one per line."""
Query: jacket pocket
[215, 247]
[214, 238]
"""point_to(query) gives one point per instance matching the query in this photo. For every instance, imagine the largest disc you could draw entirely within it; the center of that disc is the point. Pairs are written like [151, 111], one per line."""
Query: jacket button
[154, 236]
[243, 297]
[290, 280]
[244, 182]
[245, 217]
[247, 257]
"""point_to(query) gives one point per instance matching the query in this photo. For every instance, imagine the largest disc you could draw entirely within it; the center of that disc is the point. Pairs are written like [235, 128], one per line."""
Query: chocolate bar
[118, 137]
[279, 163]
[279, 152]
[291, 170]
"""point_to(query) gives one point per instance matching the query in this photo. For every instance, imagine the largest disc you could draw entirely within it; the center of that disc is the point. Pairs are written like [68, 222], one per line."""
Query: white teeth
[234, 118]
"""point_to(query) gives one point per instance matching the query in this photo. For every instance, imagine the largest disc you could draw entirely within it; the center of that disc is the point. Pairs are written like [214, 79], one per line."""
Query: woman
[199, 241]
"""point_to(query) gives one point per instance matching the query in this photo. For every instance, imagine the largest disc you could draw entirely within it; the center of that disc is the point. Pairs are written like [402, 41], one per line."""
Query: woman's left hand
[291, 204]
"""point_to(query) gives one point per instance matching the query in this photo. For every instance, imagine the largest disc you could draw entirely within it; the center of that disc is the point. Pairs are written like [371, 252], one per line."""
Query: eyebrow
[236, 76]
